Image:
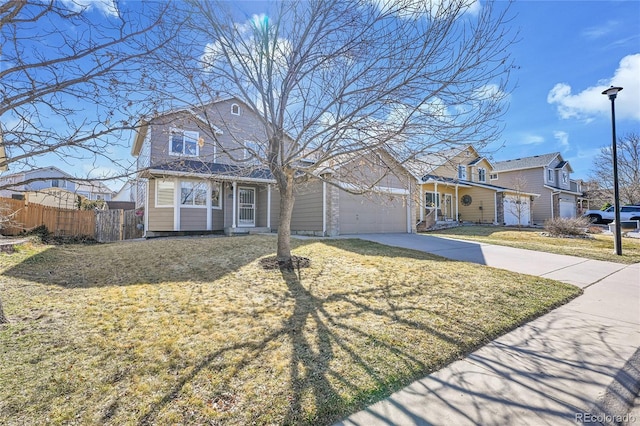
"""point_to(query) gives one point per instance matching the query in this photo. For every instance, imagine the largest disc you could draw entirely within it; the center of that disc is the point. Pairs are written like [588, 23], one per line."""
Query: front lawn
[194, 331]
[600, 247]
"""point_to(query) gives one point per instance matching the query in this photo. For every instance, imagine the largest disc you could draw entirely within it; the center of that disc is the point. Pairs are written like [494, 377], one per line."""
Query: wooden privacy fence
[103, 225]
[26, 216]
[117, 225]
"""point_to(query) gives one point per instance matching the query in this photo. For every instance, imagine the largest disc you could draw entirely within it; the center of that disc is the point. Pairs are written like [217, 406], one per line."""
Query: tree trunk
[3, 319]
[284, 226]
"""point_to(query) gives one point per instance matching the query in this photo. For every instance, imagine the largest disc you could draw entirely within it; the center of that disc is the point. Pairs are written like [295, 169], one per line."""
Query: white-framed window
[432, 199]
[462, 172]
[482, 175]
[193, 193]
[550, 175]
[184, 142]
[235, 109]
[216, 195]
[565, 178]
[493, 176]
[164, 193]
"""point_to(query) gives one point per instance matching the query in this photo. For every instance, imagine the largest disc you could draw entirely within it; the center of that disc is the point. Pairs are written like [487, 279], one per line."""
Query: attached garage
[567, 208]
[374, 213]
[517, 210]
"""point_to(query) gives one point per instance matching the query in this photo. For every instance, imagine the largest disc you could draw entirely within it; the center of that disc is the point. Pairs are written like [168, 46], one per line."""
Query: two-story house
[199, 171]
[547, 174]
[49, 186]
[455, 186]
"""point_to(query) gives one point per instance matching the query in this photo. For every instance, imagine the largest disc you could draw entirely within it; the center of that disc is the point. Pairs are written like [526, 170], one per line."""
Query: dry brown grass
[193, 331]
[597, 247]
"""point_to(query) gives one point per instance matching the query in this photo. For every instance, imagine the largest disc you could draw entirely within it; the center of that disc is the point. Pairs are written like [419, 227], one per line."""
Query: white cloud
[595, 32]
[107, 7]
[589, 103]
[563, 139]
[531, 139]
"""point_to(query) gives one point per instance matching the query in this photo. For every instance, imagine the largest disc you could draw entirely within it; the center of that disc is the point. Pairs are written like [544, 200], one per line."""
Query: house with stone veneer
[548, 175]
[198, 172]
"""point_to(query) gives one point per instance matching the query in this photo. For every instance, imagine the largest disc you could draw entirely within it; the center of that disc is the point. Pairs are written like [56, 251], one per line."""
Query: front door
[246, 207]
[448, 207]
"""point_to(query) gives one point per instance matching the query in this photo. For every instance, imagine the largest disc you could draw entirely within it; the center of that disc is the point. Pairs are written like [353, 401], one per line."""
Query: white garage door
[567, 208]
[372, 214]
[517, 210]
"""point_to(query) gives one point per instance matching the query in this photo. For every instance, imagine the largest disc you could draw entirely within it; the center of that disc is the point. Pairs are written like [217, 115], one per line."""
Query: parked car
[608, 215]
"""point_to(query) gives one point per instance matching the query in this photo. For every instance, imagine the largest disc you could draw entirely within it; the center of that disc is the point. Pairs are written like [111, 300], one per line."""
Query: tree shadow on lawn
[332, 370]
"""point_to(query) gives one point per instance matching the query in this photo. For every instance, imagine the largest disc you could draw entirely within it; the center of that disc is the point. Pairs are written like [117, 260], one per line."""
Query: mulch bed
[296, 262]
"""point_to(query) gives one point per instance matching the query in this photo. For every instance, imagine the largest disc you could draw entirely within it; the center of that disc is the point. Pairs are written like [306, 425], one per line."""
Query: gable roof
[427, 164]
[544, 160]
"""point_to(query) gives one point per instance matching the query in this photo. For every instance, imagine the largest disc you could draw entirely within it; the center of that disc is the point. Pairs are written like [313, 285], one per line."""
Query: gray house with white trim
[548, 175]
[198, 172]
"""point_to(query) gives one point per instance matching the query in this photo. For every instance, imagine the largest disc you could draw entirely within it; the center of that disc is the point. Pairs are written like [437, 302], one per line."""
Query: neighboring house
[94, 190]
[127, 192]
[16, 184]
[548, 175]
[197, 177]
[455, 186]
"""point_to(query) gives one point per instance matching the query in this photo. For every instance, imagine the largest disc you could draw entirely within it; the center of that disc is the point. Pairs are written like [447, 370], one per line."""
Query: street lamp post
[612, 92]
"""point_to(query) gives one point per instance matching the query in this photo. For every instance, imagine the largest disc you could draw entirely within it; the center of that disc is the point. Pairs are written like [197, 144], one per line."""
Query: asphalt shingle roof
[526, 162]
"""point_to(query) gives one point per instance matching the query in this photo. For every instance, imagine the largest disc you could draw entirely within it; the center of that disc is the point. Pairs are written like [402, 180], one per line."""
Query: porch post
[269, 206]
[209, 204]
[437, 197]
[457, 203]
[176, 204]
[233, 207]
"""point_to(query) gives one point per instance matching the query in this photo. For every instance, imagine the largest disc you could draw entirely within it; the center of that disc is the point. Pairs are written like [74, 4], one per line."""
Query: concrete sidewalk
[579, 364]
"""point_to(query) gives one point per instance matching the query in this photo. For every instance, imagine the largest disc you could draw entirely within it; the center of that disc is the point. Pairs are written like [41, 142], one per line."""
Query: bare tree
[517, 206]
[70, 86]
[73, 78]
[628, 154]
[337, 80]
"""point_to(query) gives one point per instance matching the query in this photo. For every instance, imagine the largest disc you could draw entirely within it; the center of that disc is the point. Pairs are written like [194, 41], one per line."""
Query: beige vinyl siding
[307, 209]
[484, 164]
[160, 218]
[193, 219]
[482, 208]
[262, 196]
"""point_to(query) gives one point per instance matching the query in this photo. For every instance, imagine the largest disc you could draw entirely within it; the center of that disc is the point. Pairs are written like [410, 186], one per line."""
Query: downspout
[147, 204]
[233, 206]
[176, 204]
[324, 208]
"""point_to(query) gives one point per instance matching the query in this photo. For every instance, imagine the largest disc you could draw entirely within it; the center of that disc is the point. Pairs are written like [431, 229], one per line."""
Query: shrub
[567, 227]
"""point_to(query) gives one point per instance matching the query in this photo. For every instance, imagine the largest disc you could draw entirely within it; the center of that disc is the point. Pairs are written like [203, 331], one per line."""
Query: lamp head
[611, 92]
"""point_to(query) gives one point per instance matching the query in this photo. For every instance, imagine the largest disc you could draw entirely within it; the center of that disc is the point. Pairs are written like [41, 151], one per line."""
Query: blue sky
[569, 51]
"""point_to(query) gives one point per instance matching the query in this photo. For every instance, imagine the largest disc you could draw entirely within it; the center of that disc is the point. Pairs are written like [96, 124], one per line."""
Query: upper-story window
[235, 109]
[482, 175]
[565, 178]
[550, 175]
[58, 183]
[462, 172]
[493, 176]
[183, 142]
